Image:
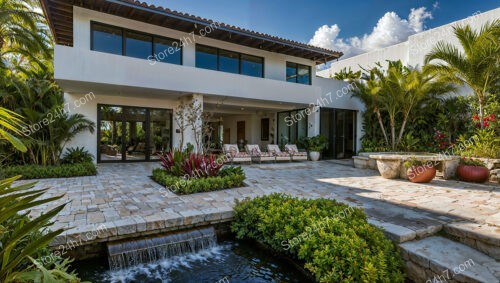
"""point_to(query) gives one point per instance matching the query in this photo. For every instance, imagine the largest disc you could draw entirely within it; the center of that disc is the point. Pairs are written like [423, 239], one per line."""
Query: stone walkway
[124, 199]
[123, 195]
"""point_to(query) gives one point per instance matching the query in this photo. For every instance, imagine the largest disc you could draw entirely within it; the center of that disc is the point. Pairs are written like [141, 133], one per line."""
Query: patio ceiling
[59, 14]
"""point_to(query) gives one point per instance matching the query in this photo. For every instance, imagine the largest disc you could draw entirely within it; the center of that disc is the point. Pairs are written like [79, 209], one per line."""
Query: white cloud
[390, 29]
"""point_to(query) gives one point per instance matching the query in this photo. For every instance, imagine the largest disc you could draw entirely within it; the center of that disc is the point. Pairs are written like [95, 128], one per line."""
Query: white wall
[275, 63]
[413, 51]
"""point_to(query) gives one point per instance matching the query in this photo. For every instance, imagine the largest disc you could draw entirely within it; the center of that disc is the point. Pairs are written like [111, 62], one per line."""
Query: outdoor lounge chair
[257, 155]
[275, 150]
[295, 153]
[234, 155]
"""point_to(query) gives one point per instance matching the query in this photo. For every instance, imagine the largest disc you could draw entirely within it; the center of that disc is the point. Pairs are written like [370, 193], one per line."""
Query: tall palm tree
[23, 31]
[477, 66]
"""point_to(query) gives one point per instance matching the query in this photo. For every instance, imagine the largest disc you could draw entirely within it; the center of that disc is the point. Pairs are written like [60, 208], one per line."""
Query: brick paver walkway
[126, 200]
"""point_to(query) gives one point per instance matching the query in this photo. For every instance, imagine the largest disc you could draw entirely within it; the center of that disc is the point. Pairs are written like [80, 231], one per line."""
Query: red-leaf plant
[201, 166]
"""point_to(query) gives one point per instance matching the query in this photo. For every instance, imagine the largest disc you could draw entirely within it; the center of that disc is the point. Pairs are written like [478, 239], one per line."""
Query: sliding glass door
[133, 133]
[339, 126]
[292, 126]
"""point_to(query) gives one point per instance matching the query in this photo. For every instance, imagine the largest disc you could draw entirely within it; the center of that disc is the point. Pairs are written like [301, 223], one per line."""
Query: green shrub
[231, 170]
[183, 186]
[54, 171]
[76, 155]
[335, 241]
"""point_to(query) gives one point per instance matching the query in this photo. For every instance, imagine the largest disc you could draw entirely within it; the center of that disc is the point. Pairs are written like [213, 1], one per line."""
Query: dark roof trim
[60, 17]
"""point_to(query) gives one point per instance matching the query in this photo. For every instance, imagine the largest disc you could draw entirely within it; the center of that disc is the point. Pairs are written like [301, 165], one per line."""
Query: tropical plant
[76, 155]
[396, 92]
[477, 66]
[23, 34]
[49, 124]
[316, 143]
[10, 125]
[347, 74]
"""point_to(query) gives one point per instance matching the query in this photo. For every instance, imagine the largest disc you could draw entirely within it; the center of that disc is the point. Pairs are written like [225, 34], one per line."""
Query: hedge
[334, 241]
[183, 186]
[53, 171]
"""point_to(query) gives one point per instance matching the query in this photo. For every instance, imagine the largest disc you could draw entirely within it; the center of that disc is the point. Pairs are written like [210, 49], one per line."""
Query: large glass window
[292, 126]
[107, 39]
[138, 45]
[297, 73]
[167, 50]
[229, 61]
[252, 65]
[206, 57]
[133, 133]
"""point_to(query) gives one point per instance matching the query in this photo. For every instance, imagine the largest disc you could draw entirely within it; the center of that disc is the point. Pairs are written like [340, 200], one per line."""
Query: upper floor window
[297, 73]
[229, 61]
[107, 39]
[136, 44]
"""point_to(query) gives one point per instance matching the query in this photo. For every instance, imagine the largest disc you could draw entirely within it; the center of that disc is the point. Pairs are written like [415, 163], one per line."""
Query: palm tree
[10, 126]
[396, 92]
[347, 74]
[23, 32]
[477, 66]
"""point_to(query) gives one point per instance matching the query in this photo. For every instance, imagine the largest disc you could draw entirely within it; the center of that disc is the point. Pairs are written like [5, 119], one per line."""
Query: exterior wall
[413, 51]
[97, 67]
[127, 81]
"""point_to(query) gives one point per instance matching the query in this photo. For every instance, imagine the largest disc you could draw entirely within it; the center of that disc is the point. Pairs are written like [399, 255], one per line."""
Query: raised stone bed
[391, 164]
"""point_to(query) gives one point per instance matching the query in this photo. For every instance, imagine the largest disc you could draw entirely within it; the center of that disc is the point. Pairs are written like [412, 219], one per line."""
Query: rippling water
[230, 261]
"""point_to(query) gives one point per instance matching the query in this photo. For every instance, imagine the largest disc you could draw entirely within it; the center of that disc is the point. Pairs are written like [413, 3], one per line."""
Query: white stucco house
[128, 66]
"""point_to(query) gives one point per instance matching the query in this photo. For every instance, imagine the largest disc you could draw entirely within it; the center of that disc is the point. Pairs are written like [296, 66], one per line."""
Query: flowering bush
[440, 141]
[487, 119]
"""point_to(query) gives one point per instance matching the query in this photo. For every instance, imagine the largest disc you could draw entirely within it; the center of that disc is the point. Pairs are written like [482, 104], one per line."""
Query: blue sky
[346, 23]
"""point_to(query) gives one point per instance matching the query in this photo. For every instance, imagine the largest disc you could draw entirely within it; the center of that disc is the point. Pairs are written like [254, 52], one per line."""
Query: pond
[229, 261]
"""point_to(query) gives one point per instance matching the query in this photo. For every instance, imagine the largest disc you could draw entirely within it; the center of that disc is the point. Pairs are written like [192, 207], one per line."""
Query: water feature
[128, 254]
[225, 261]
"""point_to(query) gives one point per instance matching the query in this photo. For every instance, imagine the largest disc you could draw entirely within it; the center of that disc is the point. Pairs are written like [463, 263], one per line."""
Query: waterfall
[126, 254]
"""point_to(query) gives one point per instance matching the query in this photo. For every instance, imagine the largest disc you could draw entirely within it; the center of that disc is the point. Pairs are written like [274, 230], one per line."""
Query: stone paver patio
[126, 200]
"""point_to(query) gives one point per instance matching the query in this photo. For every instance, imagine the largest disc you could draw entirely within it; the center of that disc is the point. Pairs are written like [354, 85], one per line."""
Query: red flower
[475, 117]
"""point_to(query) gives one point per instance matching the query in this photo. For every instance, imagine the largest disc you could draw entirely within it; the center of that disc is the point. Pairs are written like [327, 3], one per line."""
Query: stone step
[482, 237]
[438, 259]
[402, 234]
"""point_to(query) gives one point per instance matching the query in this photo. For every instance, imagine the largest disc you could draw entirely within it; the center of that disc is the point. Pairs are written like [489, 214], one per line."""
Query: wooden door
[240, 131]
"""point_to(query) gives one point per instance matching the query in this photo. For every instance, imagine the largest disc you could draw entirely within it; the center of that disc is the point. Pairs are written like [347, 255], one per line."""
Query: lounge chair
[275, 150]
[234, 155]
[295, 153]
[257, 155]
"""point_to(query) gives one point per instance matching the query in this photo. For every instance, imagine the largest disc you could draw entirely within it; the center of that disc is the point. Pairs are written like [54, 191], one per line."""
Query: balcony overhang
[60, 18]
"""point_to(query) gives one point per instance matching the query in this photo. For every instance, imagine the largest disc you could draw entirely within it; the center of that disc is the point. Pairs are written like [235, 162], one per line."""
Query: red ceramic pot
[477, 174]
[421, 174]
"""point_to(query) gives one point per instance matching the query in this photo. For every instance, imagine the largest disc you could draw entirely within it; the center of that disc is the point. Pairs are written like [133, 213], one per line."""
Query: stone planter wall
[494, 166]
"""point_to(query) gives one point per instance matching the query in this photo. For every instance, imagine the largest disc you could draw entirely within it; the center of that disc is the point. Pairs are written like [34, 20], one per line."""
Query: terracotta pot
[477, 174]
[421, 174]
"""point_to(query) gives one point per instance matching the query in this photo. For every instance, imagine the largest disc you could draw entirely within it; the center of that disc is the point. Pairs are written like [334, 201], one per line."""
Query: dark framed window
[292, 126]
[264, 129]
[229, 61]
[107, 39]
[213, 58]
[206, 57]
[138, 45]
[252, 65]
[120, 41]
[167, 50]
[298, 73]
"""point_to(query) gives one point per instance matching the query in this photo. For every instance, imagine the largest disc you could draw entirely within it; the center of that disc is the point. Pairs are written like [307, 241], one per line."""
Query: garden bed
[53, 171]
[229, 177]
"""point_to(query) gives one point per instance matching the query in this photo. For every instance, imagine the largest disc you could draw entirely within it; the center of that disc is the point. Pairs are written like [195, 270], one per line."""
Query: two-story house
[128, 66]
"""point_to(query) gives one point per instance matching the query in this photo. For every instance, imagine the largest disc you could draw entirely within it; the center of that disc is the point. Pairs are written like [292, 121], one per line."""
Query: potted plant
[472, 170]
[315, 145]
[419, 171]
